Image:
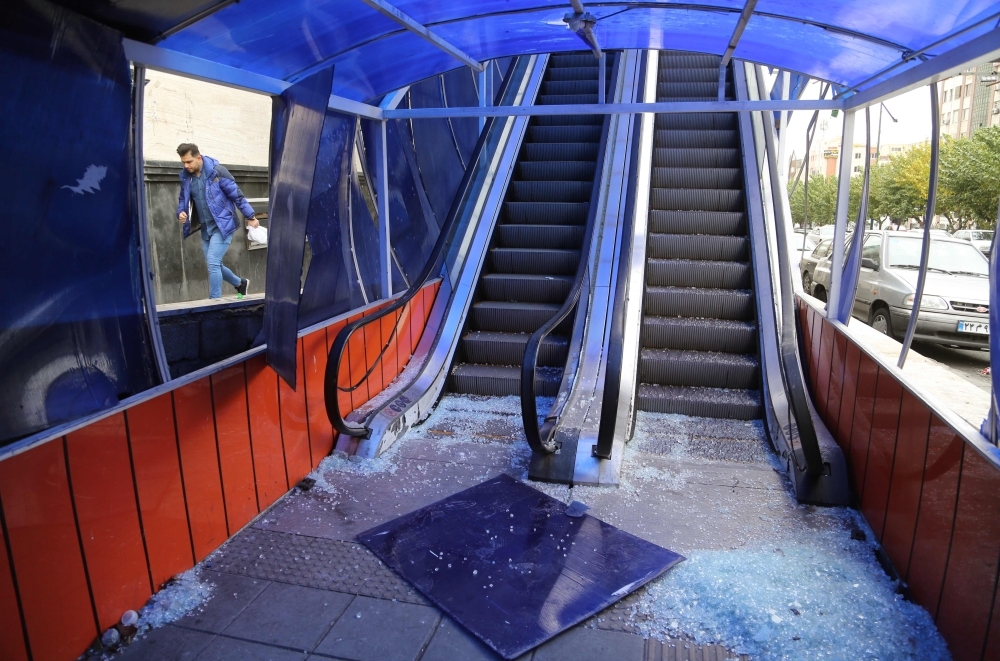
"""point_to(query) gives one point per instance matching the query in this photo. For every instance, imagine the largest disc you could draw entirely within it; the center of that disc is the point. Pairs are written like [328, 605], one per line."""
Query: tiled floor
[297, 585]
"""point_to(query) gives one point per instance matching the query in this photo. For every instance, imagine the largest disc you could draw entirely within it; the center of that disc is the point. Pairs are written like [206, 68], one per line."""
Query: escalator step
[702, 303]
[698, 273]
[546, 213]
[704, 90]
[568, 120]
[696, 157]
[565, 99]
[526, 288]
[550, 191]
[701, 402]
[698, 222]
[708, 369]
[695, 139]
[572, 73]
[695, 177]
[556, 171]
[570, 87]
[682, 60]
[696, 199]
[685, 333]
[501, 381]
[575, 60]
[585, 133]
[699, 246]
[538, 261]
[508, 317]
[486, 348]
[566, 151]
[550, 237]
[701, 121]
[690, 75]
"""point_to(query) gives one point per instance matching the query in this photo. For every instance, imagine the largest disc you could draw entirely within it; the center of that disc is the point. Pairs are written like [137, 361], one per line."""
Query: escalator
[535, 249]
[699, 351]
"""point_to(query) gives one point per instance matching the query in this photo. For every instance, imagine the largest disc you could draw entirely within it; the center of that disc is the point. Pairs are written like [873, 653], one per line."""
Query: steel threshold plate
[509, 564]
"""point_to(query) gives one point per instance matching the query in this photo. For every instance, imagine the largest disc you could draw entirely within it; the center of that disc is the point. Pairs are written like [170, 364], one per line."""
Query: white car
[982, 239]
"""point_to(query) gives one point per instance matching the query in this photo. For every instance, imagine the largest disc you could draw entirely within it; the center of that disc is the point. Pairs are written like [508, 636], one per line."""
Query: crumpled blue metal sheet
[73, 336]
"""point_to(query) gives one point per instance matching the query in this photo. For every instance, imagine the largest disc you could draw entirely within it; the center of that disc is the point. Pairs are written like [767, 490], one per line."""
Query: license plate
[976, 327]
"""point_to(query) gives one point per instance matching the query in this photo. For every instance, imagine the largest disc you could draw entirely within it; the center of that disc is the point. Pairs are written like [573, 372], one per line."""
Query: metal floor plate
[506, 562]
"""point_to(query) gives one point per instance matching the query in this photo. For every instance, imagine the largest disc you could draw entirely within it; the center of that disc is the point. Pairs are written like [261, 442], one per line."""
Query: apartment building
[970, 100]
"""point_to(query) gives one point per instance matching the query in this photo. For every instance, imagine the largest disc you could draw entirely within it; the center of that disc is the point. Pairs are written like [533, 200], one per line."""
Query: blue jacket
[221, 193]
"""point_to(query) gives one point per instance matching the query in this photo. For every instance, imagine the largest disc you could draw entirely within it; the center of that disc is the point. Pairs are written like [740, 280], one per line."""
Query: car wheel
[807, 282]
[881, 321]
[820, 293]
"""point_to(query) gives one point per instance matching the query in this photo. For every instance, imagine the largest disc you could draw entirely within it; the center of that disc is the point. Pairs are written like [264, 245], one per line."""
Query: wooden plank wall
[931, 498]
[91, 524]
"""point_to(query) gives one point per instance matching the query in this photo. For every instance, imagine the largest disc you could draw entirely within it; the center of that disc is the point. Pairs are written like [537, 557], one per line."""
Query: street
[967, 362]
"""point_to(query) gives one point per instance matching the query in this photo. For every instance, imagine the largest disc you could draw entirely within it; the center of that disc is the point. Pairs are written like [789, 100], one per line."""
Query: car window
[948, 256]
[961, 235]
[810, 243]
[872, 247]
[823, 249]
[980, 235]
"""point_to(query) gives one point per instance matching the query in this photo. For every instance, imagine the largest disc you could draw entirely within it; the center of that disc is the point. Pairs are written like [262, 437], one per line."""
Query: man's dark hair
[188, 148]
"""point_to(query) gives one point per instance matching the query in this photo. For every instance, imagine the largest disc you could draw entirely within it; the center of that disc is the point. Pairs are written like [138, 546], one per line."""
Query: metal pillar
[925, 251]
[384, 245]
[484, 83]
[840, 227]
[601, 83]
[782, 174]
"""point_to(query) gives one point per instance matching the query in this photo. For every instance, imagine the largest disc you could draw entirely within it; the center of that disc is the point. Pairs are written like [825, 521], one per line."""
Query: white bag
[257, 234]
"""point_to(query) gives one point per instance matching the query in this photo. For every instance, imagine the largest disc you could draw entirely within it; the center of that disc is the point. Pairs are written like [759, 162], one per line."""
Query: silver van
[956, 303]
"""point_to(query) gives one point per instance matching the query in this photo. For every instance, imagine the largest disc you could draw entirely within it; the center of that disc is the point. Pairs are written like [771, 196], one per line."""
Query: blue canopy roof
[846, 42]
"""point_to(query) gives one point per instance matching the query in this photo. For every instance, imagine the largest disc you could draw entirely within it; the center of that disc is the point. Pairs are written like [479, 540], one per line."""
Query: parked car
[822, 232]
[802, 245]
[808, 261]
[982, 239]
[955, 306]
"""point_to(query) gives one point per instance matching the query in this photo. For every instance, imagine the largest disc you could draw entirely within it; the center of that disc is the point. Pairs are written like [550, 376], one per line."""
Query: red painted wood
[232, 426]
[161, 491]
[108, 518]
[932, 536]
[848, 394]
[358, 367]
[200, 467]
[418, 318]
[343, 379]
[970, 580]
[390, 337]
[373, 346]
[907, 478]
[881, 450]
[41, 528]
[265, 432]
[315, 352]
[864, 404]
[836, 381]
[823, 376]
[993, 637]
[12, 643]
[815, 343]
[406, 344]
[294, 431]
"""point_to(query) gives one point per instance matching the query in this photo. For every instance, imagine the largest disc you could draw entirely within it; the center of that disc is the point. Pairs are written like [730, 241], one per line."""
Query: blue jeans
[215, 246]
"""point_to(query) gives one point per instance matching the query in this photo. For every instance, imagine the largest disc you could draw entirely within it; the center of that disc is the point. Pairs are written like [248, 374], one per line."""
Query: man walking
[210, 194]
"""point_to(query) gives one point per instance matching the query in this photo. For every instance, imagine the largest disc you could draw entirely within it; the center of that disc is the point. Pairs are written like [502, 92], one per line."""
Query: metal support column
[384, 245]
[786, 81]
[843, 200]
[484, 83]
[601, 83]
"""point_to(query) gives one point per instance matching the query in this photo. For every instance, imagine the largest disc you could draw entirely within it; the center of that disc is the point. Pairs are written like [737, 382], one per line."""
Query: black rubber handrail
[331, 386]
[541, 439]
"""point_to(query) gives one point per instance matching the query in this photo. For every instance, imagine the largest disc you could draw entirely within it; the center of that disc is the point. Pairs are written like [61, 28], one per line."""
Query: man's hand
[182, 216]
[253, 222]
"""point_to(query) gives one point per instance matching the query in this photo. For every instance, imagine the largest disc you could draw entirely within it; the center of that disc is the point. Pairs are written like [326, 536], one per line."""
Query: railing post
[384, 245]
[840, 226]
[601, 83]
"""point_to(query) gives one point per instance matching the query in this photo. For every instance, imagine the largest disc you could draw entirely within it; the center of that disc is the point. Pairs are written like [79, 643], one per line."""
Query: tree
[822, 201]
[970, 176]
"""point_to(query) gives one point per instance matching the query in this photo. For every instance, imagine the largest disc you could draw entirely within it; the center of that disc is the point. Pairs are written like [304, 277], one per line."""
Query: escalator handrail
[541, 439]
[331, 386]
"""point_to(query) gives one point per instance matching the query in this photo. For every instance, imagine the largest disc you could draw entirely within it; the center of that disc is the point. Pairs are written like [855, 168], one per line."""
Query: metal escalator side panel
[393, 415]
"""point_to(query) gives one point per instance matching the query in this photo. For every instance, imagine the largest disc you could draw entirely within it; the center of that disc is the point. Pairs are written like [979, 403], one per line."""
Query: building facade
[970, 100]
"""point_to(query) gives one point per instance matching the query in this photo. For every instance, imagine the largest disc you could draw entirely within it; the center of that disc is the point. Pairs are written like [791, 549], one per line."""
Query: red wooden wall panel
[13, 646]
[907, 478]
[849, 392]
[373, 346]
[344, 377]
[971, 576]
[815, 342]
[881, 450]
[232, 427]
[108, 518]
[357, 355]
[45, 547]
[836, 381]
[406, 343]
[265, 432]
[156, 463]
[315, 353]
[936, 517]
[294, 431]
[418, 316]
[390, 339]
[993, 635]
[825, 364]
[864, 403]
[200, 466]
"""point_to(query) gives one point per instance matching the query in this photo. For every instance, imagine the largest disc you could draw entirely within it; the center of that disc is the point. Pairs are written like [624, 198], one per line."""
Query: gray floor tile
[230, 596]
[378, 630]
[228, 649]
[167, 644]
[452, 642]
[582, 644]
[289, 615]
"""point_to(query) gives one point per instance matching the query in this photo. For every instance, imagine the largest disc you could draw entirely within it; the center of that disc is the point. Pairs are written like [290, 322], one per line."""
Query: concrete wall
[193, 339]
[179, 264]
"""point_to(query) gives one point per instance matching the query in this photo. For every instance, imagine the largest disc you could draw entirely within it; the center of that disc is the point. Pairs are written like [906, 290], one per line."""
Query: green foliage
[970, 173]
[822, 201]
